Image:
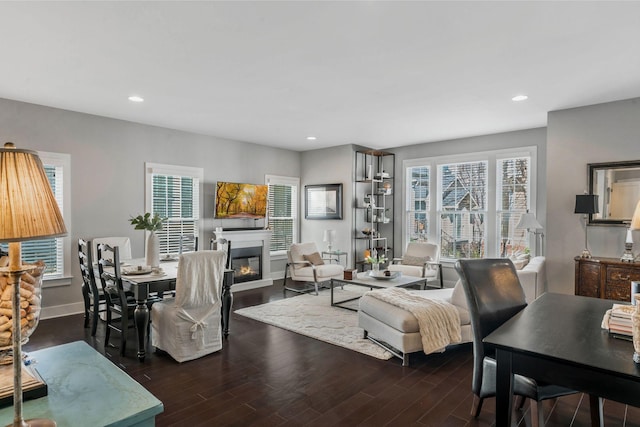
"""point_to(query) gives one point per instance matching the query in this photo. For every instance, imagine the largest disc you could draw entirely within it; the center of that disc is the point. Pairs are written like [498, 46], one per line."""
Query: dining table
[559, 339]
[144, 282]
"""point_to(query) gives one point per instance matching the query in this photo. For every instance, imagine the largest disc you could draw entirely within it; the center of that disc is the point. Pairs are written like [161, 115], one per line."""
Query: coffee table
[363, 279]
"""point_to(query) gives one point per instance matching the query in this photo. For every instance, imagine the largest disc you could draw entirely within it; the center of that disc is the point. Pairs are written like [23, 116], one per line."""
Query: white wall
[107, 170]
[576, 137]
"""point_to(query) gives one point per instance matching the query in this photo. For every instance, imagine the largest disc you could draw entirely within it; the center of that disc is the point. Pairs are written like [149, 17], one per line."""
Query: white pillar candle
[629, 236]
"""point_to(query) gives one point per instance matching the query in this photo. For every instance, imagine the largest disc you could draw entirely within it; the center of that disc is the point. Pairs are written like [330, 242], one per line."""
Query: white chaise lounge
[397, 330]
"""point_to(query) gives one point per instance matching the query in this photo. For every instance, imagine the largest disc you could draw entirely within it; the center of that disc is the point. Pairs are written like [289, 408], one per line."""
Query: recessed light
[136, 98]
[518, 98]
[311, 138]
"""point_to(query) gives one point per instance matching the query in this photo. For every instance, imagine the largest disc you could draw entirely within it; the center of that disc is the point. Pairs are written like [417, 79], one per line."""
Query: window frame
[174, 170]
[492, 239]
[292, 182]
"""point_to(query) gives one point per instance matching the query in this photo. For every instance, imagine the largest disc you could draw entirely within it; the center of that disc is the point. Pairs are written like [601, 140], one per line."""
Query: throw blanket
[439, 320]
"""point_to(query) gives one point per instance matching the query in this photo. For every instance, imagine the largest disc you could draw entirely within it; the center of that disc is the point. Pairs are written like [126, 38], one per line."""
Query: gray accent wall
[107, 172]
[575, 137]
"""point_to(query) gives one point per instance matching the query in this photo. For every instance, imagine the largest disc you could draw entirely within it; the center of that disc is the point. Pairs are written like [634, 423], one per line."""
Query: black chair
[120, 304]
[494, 295]
[94, 299]
[188, 243]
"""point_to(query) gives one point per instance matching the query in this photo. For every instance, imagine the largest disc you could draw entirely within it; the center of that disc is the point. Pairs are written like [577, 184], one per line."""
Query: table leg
[227, 301]
[595, 406]
[504, 388]
[141, 319]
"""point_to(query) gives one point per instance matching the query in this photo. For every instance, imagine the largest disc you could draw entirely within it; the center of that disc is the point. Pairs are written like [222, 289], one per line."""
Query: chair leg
[520, 402]
[94, 319]
[477, 406]
[537, 415]
[107, 333]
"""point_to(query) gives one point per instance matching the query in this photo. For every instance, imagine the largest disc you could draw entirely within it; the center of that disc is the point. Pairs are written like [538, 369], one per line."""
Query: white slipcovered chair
[123, 244]
[188, 326]
[305, 264]
[420, 259]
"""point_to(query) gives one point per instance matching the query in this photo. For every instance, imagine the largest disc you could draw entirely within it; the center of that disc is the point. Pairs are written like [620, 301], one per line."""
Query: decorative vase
[152, 255]
[375, 267]
[635, 328]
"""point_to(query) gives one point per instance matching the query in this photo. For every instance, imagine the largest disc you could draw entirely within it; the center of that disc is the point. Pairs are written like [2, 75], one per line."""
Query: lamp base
[585, 253]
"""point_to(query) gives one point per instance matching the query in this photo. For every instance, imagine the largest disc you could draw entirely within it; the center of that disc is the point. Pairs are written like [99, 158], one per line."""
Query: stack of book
[620, 321]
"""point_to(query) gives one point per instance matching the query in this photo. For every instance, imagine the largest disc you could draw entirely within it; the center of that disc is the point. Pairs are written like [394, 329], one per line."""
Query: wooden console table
[86, 389]
[607, 278]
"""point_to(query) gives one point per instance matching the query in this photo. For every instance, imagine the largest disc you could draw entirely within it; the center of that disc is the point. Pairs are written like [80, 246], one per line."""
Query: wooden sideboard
[607, 278]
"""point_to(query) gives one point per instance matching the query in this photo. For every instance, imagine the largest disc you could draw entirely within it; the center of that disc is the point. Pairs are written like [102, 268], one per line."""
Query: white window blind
[175, 195]
[282, 211]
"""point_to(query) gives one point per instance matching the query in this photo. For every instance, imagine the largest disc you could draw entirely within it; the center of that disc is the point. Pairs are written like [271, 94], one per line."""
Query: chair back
[422, 250]
[123, 244]
[188, 243]
[199, 279]
[110, 276]
[223, 245]
[297, 251]
[494, 295]
[85, 258]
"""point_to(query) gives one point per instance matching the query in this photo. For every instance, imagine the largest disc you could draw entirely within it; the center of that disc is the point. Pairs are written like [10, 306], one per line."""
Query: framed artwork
[323, 201]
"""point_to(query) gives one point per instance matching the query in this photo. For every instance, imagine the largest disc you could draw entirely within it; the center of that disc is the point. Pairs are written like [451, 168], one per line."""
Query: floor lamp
[28, 211]
[529, 222]
[586, 204]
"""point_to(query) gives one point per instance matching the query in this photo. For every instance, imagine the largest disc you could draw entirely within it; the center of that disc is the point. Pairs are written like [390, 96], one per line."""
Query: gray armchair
[304, 264]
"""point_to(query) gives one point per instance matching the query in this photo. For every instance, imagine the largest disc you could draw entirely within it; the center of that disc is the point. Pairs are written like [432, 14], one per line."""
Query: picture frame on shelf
[323, 201]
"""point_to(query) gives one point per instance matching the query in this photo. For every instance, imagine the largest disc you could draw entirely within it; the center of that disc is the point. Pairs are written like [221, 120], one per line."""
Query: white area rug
[314, 317]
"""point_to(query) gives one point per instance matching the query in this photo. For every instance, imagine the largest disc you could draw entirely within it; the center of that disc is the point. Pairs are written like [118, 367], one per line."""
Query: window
[173, 192]
[466, 217]
[55, 252]
[282, 212]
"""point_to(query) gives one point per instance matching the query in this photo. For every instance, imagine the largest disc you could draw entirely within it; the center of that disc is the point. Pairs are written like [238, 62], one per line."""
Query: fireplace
[246, 264]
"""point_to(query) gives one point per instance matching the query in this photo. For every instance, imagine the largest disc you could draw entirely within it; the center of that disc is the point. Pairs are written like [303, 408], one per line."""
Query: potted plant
[151, 223]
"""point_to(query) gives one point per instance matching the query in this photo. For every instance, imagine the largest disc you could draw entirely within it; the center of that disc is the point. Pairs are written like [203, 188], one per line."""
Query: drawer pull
[619, 277]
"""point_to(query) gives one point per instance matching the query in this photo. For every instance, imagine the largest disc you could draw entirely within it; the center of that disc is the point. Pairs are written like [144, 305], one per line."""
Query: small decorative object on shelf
[635, 324]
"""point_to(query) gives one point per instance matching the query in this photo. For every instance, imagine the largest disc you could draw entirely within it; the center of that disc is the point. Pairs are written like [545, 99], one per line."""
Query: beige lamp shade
[28, 208]
[635, 220]
[529, 221]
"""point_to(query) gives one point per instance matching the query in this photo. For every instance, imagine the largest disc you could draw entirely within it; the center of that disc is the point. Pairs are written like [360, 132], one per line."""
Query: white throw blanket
[439, 320]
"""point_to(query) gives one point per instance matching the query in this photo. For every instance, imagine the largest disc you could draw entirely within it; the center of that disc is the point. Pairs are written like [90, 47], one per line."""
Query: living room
[108, 157]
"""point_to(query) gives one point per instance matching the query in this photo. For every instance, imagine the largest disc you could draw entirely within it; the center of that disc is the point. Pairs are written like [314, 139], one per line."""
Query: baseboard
[61, 310]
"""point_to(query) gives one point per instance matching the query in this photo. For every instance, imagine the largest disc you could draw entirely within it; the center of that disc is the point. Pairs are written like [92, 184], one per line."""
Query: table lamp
[329, 237]
[586, 204]
[28, 211]
[529, 222]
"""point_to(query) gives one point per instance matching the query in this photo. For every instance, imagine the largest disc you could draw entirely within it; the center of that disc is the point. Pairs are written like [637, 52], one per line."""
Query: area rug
[313, 316]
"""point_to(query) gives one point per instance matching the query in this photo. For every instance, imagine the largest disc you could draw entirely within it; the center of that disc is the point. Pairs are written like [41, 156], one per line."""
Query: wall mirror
[617, 185]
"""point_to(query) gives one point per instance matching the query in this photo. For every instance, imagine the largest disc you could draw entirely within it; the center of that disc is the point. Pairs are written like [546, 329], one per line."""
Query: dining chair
[494, 295]
[94, 299]
[189, 326]
[120, 304]
[188, 243]
[224, 245]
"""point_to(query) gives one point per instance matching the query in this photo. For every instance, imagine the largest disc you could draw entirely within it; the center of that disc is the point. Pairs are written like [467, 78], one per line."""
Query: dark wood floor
[266, 376]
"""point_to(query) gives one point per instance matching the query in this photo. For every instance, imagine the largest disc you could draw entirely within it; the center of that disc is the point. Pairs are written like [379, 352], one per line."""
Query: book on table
[620, 323]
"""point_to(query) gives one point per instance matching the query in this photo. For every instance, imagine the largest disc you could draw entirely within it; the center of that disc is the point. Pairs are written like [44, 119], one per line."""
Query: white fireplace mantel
[247, 239]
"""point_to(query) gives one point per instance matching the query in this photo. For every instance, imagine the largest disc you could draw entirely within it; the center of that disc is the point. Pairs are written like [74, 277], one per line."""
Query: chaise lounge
[397, 330]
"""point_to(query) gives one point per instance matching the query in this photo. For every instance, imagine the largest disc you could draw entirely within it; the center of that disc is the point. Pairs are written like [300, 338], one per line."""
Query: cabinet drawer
[618, 292]
[622, 276]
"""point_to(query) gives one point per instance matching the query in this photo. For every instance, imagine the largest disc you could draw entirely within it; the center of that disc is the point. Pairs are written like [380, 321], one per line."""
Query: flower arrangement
[376, 259]
[147, 222]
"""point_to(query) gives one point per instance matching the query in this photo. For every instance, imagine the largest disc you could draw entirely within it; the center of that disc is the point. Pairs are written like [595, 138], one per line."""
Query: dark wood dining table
[558, 339]
[144, 285]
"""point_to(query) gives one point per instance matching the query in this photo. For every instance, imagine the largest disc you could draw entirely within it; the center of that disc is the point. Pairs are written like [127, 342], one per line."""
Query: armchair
[305, 264]
[420, 259]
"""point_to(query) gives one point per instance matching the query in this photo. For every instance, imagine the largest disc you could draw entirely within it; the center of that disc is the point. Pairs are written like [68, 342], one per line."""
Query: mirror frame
[592, 167]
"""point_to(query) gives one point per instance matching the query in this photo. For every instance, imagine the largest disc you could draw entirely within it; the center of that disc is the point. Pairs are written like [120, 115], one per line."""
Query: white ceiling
[381, 74]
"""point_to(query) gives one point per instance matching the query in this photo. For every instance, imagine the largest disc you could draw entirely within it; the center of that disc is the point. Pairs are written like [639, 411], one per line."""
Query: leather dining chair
[494, 295]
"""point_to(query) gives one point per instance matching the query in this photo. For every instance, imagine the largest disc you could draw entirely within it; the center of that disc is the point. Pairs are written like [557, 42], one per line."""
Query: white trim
[491, 157]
